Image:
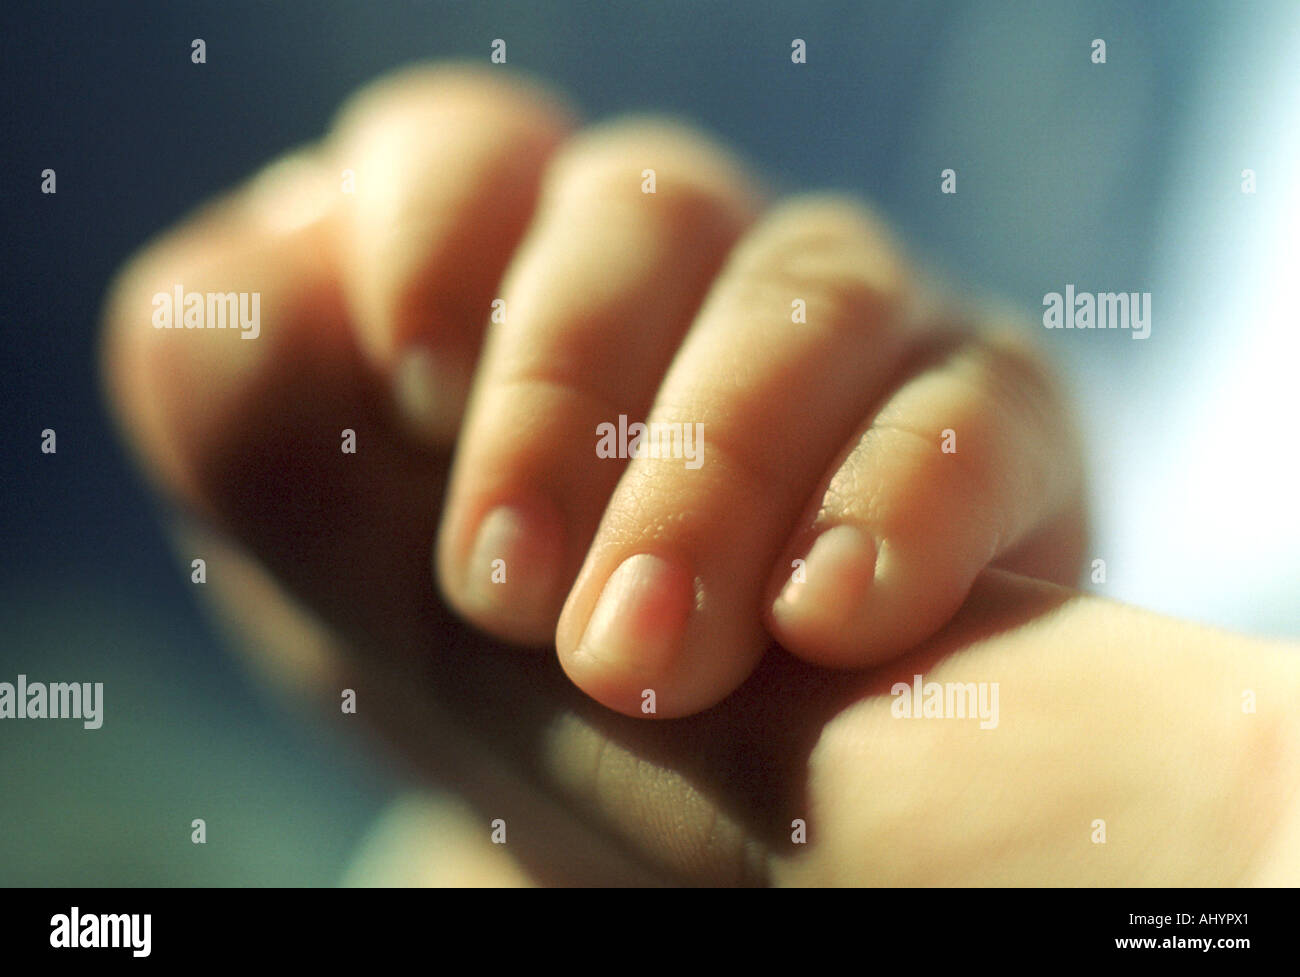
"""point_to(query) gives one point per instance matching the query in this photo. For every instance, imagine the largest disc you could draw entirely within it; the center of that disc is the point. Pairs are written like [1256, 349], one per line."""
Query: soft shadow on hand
[322, 560]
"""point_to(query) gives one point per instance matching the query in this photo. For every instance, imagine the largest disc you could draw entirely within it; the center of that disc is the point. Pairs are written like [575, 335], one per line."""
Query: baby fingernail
[430, 395]
[830, 581]
[639, 620]
[514, 562]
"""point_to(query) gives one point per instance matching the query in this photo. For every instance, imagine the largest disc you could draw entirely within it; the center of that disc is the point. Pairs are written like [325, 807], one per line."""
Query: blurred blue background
[1124, 176]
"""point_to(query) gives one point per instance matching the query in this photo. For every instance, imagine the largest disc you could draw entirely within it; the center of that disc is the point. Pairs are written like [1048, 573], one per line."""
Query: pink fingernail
[834, 577]
[640, 618]
[515, 561]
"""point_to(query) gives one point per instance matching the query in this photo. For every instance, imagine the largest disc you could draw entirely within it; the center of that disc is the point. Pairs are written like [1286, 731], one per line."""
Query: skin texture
[674, 306]
[822, 383]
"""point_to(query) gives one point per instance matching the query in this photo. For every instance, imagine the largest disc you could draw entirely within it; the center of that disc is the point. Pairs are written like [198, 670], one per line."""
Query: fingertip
[469, 82]
[430, 390]
[506, 574]
[213, 311]
[625, 648]
[440, 168]
[821, 596]
[646, 636]
[153, 377]
[863, 601]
